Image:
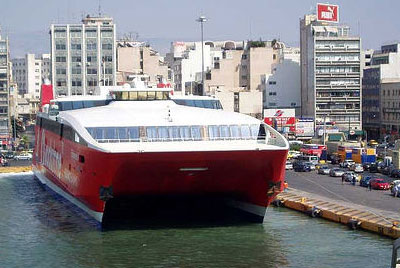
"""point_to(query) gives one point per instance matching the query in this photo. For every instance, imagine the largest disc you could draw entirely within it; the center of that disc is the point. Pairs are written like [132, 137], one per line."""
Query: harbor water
[37, 229]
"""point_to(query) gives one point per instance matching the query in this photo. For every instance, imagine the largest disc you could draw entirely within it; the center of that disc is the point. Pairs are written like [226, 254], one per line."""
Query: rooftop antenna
[99, 8]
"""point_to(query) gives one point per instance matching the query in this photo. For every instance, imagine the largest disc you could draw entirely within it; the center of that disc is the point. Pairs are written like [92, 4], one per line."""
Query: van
[309, 158]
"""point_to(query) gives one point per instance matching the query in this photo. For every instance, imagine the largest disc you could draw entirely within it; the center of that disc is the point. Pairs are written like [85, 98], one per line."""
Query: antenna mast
[99, 8]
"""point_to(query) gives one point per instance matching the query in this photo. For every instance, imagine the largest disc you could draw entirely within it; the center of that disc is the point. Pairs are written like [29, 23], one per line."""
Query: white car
[289, 165]
[358, 168]
[23, 156]
[346, 163]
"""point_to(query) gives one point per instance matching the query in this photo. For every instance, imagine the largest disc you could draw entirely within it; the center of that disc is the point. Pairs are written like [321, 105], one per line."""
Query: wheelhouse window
[178, 133]
[140, 95]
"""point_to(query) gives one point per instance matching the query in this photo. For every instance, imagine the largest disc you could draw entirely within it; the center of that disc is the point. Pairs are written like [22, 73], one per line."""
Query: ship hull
[89, 178]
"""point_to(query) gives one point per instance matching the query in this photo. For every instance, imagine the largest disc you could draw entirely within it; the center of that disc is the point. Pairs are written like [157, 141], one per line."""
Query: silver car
[336, 172]
[324, 170]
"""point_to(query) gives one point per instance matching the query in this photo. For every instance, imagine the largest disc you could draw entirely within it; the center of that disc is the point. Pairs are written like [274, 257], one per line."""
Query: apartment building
[281, 88]
[5, 74]
[380, 99]
[139, 59]
[83, 56]
[29, 73]
[233, 71]
[330, 74]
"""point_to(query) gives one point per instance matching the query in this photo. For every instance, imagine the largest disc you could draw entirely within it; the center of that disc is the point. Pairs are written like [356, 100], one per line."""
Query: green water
[39, 230]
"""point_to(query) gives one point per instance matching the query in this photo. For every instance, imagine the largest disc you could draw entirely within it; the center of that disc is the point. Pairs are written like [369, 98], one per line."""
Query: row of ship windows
[176, 133]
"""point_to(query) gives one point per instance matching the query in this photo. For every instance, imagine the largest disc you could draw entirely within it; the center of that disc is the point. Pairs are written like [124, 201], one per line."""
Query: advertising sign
[305, 127]
[326, 12]
[282, 120]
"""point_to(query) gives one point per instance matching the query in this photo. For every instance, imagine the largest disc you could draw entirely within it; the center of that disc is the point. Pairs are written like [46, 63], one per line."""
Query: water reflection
[38, 230]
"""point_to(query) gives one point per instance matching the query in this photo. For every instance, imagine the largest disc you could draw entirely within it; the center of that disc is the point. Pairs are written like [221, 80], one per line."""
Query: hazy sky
[27, 22]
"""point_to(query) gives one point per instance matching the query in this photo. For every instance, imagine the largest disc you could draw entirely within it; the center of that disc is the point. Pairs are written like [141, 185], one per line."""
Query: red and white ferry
[137, 141]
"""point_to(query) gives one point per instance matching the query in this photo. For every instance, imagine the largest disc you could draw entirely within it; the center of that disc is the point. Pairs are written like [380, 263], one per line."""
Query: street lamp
[202, 19]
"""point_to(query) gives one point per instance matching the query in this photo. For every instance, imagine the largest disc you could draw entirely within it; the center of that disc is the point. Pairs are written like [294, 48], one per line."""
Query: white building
[29, 73]
[83, 56]
[282, 88]
[330, 74]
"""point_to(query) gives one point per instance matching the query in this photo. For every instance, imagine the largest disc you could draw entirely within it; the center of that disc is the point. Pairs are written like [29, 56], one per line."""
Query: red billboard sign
[327, 12]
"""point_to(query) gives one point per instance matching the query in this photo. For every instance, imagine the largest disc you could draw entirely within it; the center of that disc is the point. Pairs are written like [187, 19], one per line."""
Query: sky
[159, 22]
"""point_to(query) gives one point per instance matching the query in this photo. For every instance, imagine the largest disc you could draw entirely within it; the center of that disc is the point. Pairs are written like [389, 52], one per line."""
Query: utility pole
[324, 128]
[202, 19]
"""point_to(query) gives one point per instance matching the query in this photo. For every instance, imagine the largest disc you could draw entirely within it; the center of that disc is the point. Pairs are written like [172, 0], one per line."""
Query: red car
[379, 184]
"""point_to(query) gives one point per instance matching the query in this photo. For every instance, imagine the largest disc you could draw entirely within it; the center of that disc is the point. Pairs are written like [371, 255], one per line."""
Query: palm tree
[24, 140]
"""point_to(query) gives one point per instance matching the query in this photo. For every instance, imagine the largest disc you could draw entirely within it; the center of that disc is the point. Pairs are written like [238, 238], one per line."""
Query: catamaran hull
[89, 178]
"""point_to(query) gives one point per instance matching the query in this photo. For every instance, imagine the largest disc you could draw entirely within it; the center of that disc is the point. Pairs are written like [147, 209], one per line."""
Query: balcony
[337, 99]
[337, 49]
[352, 75]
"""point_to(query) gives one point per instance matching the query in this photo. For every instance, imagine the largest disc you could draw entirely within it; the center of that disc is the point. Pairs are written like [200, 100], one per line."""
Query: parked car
[365, 180]
[380, 166]
[336, 172]
[346, 163]
[23, 156]
[395, 190]
[357, 168]
[349, 175]
[311, 164]
[366, 166]
[324, 170]
[9, 155]
[299, 166]
[373, 168]
[289, 165]
[387, 170]
[379, 184]
[395, 173]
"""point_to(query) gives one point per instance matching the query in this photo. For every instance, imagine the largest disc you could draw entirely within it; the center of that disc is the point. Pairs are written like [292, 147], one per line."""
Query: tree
[24, 141]
[19, 126]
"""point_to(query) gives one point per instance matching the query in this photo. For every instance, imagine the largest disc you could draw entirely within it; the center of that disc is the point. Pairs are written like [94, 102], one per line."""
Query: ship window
[151, 95]
[196, 133]
[208, 104]
[151, 133]
[235, 131]
[245, 131]
[199, 103]
[254, 131]
[224, 132]
[133, 133]
[133, 95]
[125, 95]
[110, 134]
[98, 133]
[77, 105]
[163, 133]
[185, 133]
[122, 133]
[88, 104]
[174, 133]
[142, 95]
[66, 106]
[213, 132]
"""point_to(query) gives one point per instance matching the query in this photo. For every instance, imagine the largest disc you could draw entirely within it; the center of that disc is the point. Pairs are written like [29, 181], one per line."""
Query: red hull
[253, 177]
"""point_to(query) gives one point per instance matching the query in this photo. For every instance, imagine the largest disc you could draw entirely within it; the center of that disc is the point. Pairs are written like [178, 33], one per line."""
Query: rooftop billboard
[329, 13]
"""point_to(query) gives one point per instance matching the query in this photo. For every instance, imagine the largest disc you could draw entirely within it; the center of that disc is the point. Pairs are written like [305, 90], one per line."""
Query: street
[332, 187]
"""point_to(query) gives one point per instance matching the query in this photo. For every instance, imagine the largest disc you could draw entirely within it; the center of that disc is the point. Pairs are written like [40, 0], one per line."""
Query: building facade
[281, 88]
[138, 59]
[5, 74]
[29, 73]
[83, 56]
[379, 92]
[330, 74]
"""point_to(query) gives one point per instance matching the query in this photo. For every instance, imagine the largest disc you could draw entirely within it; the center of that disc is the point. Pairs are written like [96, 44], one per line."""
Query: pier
[355, 216]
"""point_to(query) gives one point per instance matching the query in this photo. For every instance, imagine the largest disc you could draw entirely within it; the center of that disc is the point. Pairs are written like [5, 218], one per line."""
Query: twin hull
[88, 177]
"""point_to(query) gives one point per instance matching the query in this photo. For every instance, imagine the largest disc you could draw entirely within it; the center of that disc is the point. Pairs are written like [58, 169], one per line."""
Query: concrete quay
[355, 216]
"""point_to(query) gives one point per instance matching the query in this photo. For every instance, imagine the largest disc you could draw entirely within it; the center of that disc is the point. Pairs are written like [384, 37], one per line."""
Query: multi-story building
[379, 97]
[139, 59]
[83, 56]
[29, 73]
[233, 71]
[330, 74]
[5, 74]
[390, 108]
[282, 87]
